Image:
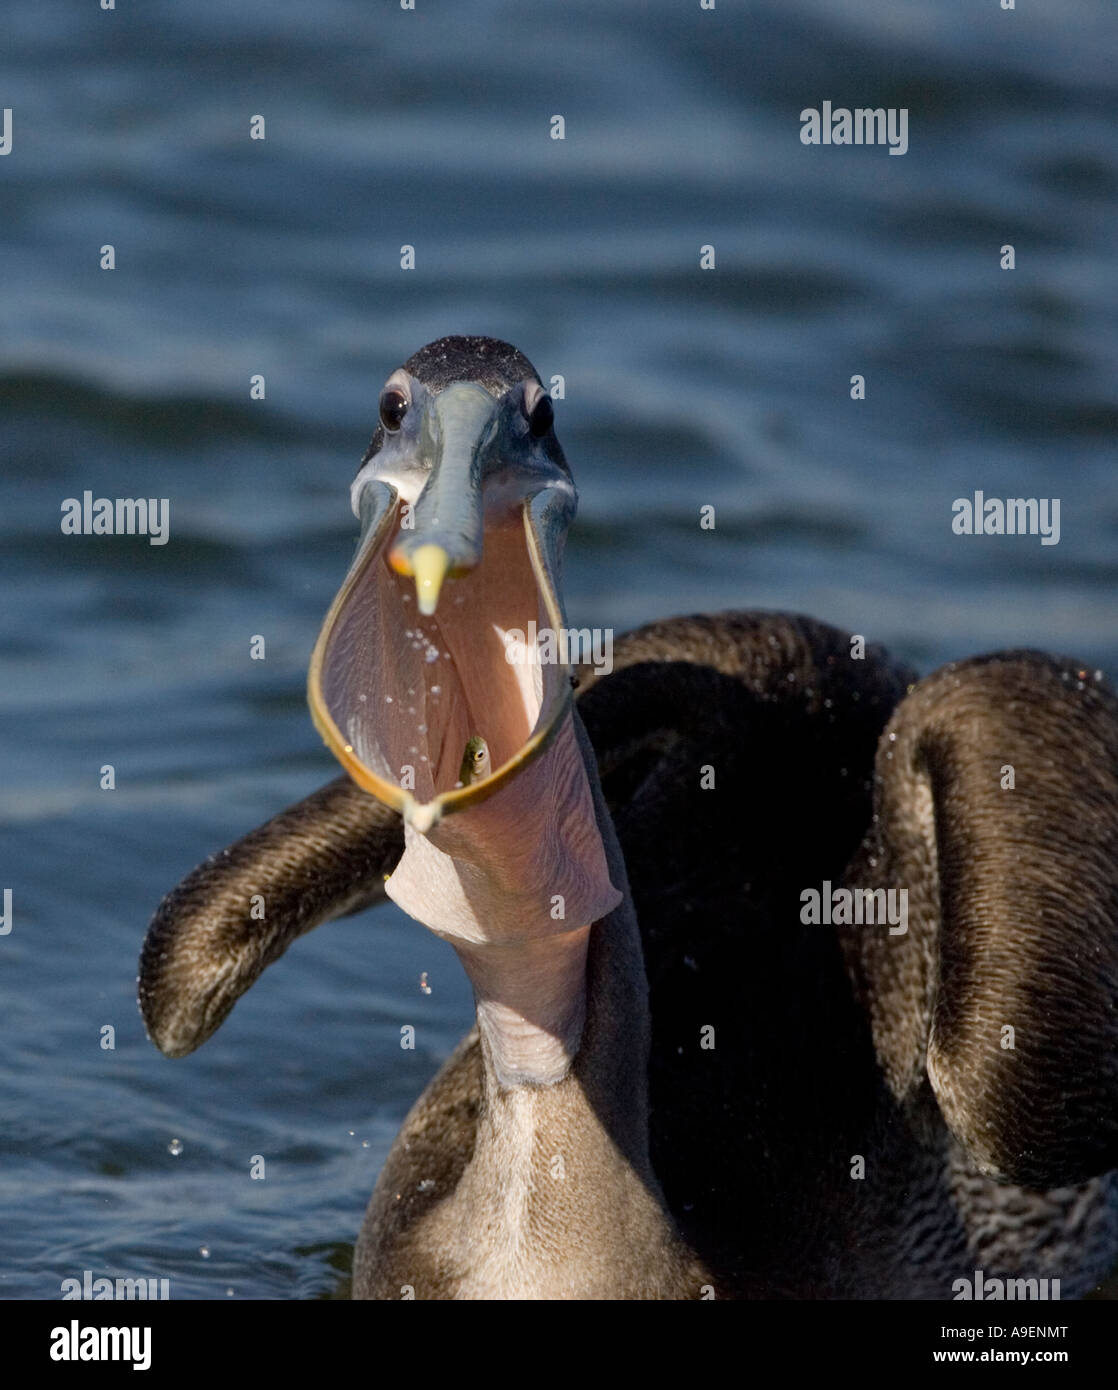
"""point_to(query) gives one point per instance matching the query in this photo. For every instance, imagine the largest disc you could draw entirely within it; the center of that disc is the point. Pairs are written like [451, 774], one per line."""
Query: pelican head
[464, 499]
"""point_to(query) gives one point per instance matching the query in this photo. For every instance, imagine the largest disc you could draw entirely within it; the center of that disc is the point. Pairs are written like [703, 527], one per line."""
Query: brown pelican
[795, 976]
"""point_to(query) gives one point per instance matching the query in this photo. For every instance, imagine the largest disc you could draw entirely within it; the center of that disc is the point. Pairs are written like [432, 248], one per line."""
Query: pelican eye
[541, 418]
[393, 408]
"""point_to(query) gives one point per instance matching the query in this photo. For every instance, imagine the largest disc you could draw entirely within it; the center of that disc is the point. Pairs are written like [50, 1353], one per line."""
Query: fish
[475, 761]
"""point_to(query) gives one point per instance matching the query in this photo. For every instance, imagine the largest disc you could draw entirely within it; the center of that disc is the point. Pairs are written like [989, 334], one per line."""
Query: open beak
[419, 652]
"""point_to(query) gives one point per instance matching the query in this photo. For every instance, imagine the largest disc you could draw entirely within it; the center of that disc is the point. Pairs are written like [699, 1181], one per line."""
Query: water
[730, 387]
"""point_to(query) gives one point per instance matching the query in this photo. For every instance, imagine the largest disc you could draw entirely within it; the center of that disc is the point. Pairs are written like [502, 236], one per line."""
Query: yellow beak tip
[429, 565]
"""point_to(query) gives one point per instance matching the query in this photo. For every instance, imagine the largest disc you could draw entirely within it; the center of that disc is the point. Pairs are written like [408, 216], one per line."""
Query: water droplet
[423, 985]
[436, 690]
[353, 1134]
[892, 738]
[421, 728]
[175, 1147]
[204, 1251]
[425, 1185]
[364, 1143]
[388, 699]
[362, 698]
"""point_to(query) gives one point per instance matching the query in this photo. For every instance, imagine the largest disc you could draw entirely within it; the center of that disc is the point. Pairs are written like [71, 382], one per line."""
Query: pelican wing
[324, 857]
[996, 808]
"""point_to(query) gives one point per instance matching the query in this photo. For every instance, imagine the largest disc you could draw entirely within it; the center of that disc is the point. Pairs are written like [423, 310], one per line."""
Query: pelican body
[682, 1084]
